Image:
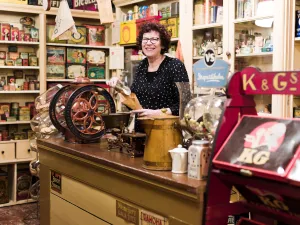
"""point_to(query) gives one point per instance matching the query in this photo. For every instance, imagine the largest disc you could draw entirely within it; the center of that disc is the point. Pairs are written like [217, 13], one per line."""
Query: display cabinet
[251, 36]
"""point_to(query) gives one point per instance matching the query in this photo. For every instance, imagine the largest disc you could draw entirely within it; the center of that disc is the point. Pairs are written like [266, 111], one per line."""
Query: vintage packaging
[96, 35]
[79, 38]
[27, 37]
[96, 72]
[19, 62]
[56, 55]
[23, 184]
[5, 31]
[74, 71]
[33, 61]
[24, 113]
[49, 33]
[90, 5]
[21, 35]
[95, 57]
[76, 55]
[24, 55]
[34, 34]
[25, 62]
[173, 27]
[14, 34]
[2, 55]
[55, 71]
[2, 62]
[128, 32]
[13, 55]
[9, 62]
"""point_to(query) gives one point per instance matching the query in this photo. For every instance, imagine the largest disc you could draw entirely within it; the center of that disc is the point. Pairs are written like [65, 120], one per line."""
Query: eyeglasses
[152, 40]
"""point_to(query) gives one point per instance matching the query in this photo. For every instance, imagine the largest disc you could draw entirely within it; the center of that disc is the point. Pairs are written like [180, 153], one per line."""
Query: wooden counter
[86, 184]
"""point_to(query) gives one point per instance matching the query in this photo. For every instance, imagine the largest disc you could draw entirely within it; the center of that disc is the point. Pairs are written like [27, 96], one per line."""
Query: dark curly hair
[164, 35]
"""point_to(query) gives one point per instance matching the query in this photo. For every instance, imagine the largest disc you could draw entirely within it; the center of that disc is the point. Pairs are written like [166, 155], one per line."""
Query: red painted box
[261, 146]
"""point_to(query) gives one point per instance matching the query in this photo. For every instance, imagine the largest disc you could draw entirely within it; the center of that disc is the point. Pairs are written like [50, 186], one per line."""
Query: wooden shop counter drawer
[23, 150]
[7, 151]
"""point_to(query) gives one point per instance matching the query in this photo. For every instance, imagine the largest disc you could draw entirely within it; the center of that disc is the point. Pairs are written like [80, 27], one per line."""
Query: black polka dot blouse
[157, 90]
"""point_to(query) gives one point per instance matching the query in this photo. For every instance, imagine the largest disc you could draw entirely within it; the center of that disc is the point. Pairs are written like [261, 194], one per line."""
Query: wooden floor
[25, 214]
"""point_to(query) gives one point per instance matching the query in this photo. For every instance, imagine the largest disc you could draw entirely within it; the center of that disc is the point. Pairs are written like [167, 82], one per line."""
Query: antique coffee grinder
[76, 110]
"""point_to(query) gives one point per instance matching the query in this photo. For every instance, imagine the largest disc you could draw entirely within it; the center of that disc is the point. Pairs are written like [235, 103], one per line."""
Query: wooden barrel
[162, 136]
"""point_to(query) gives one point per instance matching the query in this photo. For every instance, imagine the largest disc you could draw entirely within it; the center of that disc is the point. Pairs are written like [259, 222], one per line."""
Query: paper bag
[130, 101]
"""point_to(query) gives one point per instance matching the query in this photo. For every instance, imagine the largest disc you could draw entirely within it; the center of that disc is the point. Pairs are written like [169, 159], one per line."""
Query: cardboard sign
[56, 181]
[89, 5]
[127, 212]
[211, 72]
[262, 146]
[280, 82]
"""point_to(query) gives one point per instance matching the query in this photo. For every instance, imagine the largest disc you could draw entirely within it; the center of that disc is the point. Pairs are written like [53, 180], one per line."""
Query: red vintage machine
[257, 155]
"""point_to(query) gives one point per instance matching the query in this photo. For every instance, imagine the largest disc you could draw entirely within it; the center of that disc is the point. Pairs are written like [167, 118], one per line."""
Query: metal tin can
[198, 159]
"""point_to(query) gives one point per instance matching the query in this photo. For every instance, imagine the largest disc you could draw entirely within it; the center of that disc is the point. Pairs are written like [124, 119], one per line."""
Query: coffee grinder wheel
[57, 107]
[84, 109]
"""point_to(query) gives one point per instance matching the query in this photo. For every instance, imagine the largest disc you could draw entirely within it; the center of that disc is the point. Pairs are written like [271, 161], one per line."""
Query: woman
[154, 81]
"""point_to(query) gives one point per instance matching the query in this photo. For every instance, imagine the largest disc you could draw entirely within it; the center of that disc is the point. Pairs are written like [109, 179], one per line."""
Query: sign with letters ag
[211, 72]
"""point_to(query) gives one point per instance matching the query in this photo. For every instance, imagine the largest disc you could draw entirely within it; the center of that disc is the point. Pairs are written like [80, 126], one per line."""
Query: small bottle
[198, 159]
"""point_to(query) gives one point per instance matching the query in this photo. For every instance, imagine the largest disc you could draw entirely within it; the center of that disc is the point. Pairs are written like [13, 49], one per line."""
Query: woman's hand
[113, 82]
[150, 112]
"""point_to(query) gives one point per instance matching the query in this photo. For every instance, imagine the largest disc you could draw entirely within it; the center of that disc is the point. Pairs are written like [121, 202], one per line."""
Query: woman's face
[151, 44]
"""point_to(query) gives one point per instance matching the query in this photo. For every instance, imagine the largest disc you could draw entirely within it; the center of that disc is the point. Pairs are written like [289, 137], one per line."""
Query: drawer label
[149, 218]
[56, 181]
[127, 212]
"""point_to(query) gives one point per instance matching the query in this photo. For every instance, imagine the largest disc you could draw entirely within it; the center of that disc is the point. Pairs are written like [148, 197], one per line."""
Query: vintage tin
[14, 34]
[75, 70]
[50, 30]
[25, 62]
[33, 61]
[198, 159]
[96, 72]
[21, 35]
[96, 35]
[19, 62]
[96, 57]
[24, 55]
[24, 113]
[76, 55]
[34, 33]
[128, 32]
[80, 37]
[5, 31]
[173, 27]
[13, 55]
[23, 184]
[55, 71]
[56, 55]
[2, 55]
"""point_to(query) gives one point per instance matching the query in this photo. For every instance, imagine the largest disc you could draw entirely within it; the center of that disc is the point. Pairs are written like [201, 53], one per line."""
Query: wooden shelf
[122, 3]
[78, 46]
[21, 67]
[204, 26]
[254, 54]
[20, 42]
[174, 39]
[15, 122]
[70, 80]
[16, 161]
[297, 39]
[251, 19]
[32, 9]
[20, 92]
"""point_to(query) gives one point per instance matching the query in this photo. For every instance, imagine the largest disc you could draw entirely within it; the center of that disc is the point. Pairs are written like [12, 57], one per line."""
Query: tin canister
[14, 109]
[198, 159]
[24, 114]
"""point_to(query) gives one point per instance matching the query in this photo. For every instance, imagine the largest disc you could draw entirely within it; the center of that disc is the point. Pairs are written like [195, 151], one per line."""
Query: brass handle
[28, 150]
[246, 173]
[2, 152]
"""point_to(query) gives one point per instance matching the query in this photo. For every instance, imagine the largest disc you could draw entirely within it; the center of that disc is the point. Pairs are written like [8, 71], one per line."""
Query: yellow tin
[128, 32]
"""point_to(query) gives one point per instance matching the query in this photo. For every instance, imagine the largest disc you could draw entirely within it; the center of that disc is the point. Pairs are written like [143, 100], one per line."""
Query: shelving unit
[70, 80]
[11, 13]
